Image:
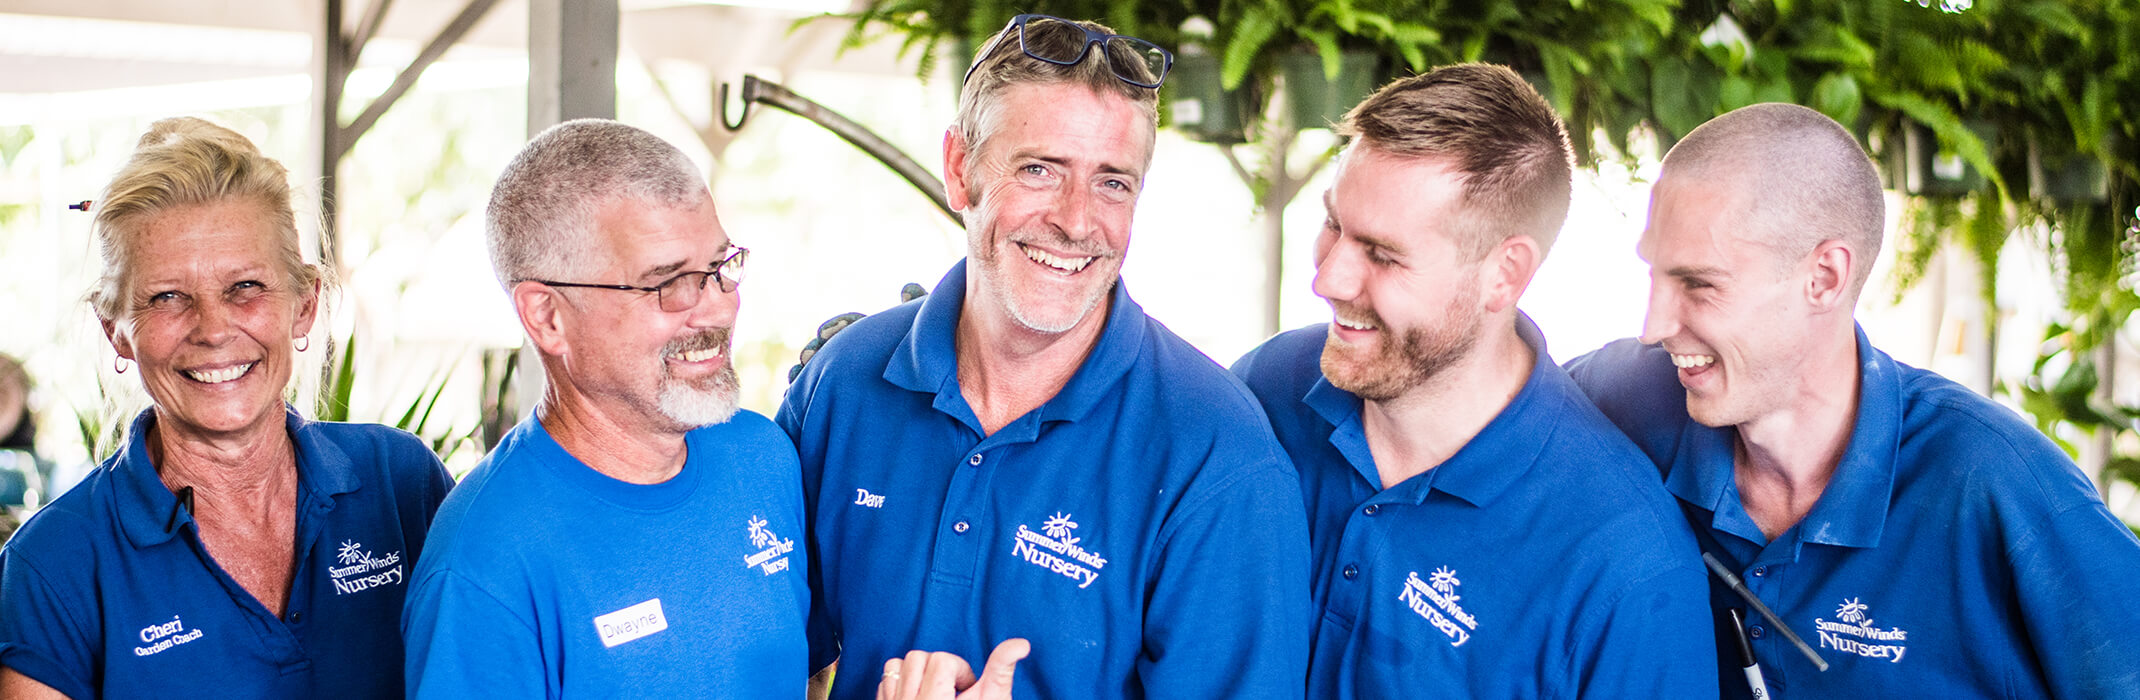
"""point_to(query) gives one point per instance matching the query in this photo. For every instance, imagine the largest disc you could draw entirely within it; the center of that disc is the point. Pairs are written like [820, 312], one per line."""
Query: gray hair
[1804, 179]
[1002, 65]
[544, 204]
[184, 161]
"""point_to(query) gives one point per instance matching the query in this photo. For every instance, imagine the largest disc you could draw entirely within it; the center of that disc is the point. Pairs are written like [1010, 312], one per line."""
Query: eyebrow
[1707, 271]
[663, 271]
[1063, 161]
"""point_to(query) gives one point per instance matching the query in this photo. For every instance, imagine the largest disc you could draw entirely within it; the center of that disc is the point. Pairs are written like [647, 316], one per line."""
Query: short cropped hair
[1804, 178]
[543, 207]
[1003, 65]
[184, 161]
[1497, 133]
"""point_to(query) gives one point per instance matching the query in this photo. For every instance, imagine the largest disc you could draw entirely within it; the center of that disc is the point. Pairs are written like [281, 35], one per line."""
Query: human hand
[833, 326]
[941, 675]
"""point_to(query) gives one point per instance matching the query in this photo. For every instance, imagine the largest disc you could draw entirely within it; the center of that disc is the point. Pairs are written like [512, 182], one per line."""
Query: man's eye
[1035, 169]
[1376, 255]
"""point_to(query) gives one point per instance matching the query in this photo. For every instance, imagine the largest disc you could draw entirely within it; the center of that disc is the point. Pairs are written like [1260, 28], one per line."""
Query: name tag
[631, 623]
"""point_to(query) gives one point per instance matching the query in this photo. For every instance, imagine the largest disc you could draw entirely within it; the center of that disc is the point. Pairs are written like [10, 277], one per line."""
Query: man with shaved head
[1923, 541]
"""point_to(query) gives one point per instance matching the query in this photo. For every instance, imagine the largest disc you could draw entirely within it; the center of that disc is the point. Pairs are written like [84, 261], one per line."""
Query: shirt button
[974, 460]
[960, 527]
[1760, 571]
[297, 616]
[1351, 572]
[1756, 631]
[1372, 509]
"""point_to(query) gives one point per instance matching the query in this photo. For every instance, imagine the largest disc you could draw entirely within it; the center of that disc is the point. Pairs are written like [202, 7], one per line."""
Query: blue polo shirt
[1141, 527]
[108, 591]
[546, 578]
[1955, 553]
[1541, 560]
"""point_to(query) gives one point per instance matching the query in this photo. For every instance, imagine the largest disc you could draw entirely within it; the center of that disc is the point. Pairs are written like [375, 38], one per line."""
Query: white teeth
[1064, 264]
[698, 355]
[1355, 325]
[218, 376]
[1692, 361]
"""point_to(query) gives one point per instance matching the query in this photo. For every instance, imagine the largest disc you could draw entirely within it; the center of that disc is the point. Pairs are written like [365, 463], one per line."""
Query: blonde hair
[1495, 129]
[184, 161]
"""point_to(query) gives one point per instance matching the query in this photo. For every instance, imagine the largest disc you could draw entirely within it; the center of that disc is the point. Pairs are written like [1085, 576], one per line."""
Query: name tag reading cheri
[631, 623]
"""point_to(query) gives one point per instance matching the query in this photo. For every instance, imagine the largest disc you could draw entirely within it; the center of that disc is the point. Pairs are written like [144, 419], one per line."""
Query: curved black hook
[750, 94]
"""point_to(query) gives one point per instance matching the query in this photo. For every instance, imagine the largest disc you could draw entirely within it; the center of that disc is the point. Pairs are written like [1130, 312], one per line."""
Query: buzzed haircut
[1803, 178]
[1499, 135]
[1004, 65]
[542, 211]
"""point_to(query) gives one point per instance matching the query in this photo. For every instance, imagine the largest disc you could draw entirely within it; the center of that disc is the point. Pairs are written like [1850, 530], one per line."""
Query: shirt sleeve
[463, 642]
[1229, 612]
[2074, 581]
[40, 633]
[1655, 640]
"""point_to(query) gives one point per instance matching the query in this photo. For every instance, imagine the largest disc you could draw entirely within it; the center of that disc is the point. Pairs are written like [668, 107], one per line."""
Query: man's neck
[1782, 461]
[1418, 431]
[641, 452]
[1006, 370]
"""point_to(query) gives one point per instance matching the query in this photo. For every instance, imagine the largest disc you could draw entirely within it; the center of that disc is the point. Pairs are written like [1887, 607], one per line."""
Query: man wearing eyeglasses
[637, 536]
[1922, 540]
[1023, 454]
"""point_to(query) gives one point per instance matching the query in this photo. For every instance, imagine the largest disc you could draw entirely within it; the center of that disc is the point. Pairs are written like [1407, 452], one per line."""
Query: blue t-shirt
[547, 578]
[1541, 560]
[108, 591]
[1141, 527]
[1955, 553]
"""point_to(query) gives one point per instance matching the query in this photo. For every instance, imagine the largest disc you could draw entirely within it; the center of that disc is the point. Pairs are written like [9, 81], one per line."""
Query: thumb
[995, 681]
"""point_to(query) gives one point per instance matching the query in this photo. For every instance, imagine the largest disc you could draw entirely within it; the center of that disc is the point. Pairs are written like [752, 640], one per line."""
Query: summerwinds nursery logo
[360, 570]
[1434, 600]
[1056, 548]
[772, 556]
[1853, 632]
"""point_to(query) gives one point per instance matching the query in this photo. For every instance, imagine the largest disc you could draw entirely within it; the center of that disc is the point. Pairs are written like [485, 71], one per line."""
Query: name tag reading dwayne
[631, 623]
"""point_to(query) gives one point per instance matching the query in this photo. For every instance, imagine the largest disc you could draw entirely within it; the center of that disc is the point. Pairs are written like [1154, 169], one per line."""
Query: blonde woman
[230, 547]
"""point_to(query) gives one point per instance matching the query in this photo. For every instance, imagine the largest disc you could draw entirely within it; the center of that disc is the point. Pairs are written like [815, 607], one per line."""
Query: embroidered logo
[1055, 548]
[631, 623]
[772, 553]
[164, 635]
[1434, 600]
[868, 500]
[1853, 632]
[360, 570]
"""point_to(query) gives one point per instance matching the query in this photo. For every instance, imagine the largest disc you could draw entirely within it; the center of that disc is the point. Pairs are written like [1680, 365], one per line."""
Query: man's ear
[956, 162]
[1831, 266]
[542, 315]
[1507, 271]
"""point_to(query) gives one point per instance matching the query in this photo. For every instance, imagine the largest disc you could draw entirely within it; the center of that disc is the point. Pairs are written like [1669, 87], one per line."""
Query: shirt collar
[150, 514]
[1487, 464]
[926, 359]
[1852, 510]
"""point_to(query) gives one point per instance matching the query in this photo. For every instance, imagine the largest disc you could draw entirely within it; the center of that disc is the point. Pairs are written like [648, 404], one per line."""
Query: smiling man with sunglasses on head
[637, 536]
[1024, 454]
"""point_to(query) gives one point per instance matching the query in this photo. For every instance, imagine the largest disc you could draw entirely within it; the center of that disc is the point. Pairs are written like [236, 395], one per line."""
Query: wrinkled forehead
[636, 236]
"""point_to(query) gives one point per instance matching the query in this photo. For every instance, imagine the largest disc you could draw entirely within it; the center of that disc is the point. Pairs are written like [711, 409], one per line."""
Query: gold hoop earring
[304, 342]
[118, 364]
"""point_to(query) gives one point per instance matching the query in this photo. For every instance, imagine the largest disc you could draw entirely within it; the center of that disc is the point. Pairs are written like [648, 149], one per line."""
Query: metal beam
[572, 61]
[331, 55]
[367, 28]
[460, 25]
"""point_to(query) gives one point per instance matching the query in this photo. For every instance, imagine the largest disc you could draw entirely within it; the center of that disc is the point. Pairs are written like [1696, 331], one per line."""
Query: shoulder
[748, 437]
[867, 341]
[1947, 427]
[73, 527]
[1602, 477]
[375, 450]
[1636, 388]
[1286, 365]
[1192, 390]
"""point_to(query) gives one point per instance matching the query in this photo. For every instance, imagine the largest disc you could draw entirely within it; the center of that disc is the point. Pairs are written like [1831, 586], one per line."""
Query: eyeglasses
[679, 293]
[1125, 54]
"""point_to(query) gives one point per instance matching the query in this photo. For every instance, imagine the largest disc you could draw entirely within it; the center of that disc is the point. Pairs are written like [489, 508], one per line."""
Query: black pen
[1746, 656]
[1732, 581]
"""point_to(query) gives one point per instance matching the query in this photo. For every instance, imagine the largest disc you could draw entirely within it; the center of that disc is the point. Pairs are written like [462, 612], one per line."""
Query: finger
[912, 671]
[995, 682]
[888, 685]
[947, 675]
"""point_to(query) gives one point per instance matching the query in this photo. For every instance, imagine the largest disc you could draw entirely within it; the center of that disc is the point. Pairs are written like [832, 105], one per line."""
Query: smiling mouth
[218, 376]
[699, 355]
[1692, 361]
[1060, 264]
[1356, 325]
